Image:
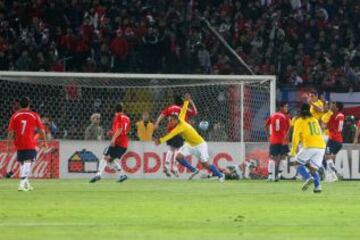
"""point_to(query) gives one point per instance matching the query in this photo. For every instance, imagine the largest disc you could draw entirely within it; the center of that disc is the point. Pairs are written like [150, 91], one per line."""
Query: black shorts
[176, 142]
[26, 155]
[114, 152]
[285, 149]
[333, 147]
[276, 149]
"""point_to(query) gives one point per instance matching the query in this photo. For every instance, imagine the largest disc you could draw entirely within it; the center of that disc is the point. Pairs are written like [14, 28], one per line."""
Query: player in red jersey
[278, 127]
[334, 144]
[22, 127]
[176, 142]
[118, 145]
[285, 147]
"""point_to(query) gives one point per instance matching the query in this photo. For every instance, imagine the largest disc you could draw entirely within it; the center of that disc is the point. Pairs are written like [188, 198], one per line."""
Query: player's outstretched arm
[183, 111]
[44, 136]
[159, 119]
[177, 130]
[192, 104]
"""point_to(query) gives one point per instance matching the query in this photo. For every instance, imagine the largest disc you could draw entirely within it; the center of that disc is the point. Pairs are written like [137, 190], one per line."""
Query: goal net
[235, 106]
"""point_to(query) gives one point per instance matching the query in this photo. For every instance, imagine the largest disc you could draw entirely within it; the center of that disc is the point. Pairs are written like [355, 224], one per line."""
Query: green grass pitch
[174, 209]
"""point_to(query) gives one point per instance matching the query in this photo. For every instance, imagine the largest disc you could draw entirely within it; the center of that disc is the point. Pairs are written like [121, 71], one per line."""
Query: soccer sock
[23, 179]
[303, 172]
[316, 177]
[174, 163]
[116, 165]
[187, 165]
[215, 171]
[168, 157]
[282, 165]
[271, 169]
[102, 166]
[26, 170]
[330, 165]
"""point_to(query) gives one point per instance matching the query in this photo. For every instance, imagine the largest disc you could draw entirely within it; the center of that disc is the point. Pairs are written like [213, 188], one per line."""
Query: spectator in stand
[313, 37]
[145, 128]
[94, 131]
[119, 49]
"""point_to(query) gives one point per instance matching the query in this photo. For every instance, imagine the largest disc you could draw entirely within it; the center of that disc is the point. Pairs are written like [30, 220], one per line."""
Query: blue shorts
[114, 152]
[26, 155]
[333, 147]
[285, 149]
[276, 149]
[176, 142]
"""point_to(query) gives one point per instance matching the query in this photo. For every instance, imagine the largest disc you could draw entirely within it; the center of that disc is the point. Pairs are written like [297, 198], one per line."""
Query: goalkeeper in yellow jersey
[194, 145]
[307, 131]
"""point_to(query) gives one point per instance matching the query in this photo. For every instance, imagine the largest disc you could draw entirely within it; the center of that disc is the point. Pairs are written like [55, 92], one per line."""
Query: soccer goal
[235, 106]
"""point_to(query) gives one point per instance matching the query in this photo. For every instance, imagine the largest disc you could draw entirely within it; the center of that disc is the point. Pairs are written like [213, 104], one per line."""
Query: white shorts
[200, 151]
[312, 156]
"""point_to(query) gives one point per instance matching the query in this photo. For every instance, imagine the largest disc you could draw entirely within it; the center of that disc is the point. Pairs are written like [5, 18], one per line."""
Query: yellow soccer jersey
[293, 120]
[325, 118]
[308, 131]
[315, 113]
[190, 135]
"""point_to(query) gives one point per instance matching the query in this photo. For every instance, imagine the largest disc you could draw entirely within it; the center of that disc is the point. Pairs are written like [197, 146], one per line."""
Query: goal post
[238, 104]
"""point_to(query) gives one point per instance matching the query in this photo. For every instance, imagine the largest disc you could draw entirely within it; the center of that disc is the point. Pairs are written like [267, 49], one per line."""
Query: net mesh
[68, 102]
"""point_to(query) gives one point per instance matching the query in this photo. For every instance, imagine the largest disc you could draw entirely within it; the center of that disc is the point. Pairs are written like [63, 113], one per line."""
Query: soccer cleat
[167, 173]
[331, 177]
[193, 174]
[222, 178]
[29, 187]
[175, 173]
[317, 189]
[95, 179]
[307, 184]
[122, 178]
[22, 189]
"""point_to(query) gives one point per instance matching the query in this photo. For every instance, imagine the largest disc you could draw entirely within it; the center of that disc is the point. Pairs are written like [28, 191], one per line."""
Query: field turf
[171, 209]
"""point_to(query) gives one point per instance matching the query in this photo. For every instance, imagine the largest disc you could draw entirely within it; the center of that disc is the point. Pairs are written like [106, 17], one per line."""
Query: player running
[177, 141]
[22, 130]
[308, 132]
[334, 144]
[194, 145]
[118, 145]
[278, 126]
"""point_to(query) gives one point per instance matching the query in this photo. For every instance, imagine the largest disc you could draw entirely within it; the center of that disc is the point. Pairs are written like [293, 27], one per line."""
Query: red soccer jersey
[358, 124]
[24, 123]
[287, 128]
[121, 121]
[278, 125]
[175, 109]
[335, 126]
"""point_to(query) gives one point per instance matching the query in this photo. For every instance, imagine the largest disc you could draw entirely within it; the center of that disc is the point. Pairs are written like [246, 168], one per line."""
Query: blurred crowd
[303, 42]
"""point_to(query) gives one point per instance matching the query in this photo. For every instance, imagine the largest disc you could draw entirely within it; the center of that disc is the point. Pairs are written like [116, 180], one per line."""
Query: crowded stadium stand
[304, 43]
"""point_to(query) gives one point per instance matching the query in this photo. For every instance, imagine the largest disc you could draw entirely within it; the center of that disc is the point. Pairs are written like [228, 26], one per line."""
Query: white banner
[78, 159]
